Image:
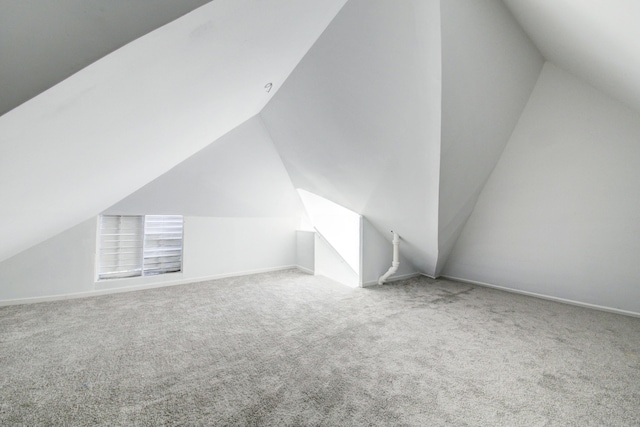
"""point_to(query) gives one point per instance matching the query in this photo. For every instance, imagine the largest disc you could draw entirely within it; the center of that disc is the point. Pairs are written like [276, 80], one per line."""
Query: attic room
[414, 212]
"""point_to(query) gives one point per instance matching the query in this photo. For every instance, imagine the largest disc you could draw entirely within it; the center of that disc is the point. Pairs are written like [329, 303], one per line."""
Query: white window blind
[162, 244]
[139, 245]
[121, 241]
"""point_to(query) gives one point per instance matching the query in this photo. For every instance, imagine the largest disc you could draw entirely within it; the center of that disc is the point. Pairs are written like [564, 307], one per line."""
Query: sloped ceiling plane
[124, 93]
[94, 138]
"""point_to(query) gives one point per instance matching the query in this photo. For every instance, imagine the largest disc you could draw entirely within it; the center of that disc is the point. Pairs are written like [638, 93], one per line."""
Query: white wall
[339, 226]
[241, 212]
[305, 250]
[46, 42]
[594, 40]
[64, 264]
[559, 215]
[329, 263]
[377, 255]
[223, 246]
[81, 146]
[239, 175]
[489, 68]
[358, 120]
[213, 247]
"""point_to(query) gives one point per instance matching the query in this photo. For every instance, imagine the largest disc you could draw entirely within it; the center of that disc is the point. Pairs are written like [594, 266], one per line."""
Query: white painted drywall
[339, 226]
[221, 246]
[559, 214]
[44, 42]
[241, 212]
[96, 137]
[305, 250]
[64, 264]
[329, 263]
[239, 175]
[377, 255]
[596, 40]
[213, 247]
[489, 68]
[358, 121]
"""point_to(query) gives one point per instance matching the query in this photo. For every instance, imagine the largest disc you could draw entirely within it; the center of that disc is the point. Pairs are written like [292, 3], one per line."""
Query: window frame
[142, 268]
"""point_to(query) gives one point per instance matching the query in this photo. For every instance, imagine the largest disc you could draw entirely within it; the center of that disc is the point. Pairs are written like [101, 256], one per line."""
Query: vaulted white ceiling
[93, 139]
[596, 40]
[44, 42]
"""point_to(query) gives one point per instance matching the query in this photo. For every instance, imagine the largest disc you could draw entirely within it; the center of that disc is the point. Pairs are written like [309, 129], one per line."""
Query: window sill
[126, 282]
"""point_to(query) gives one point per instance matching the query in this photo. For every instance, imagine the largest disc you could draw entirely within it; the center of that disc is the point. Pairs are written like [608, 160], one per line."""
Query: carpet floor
[289, 349]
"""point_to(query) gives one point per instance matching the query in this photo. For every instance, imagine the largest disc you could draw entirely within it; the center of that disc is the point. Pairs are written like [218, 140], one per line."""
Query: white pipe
[396, 259]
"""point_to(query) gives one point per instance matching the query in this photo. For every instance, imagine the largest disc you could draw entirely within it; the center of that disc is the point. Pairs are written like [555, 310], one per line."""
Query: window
[162, 250]
[133, 246]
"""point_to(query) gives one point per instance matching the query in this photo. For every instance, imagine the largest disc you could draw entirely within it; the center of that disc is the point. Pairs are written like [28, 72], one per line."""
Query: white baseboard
[131, 288]
[547, 297]
[392, 279]
[305, 270]
[184, 281]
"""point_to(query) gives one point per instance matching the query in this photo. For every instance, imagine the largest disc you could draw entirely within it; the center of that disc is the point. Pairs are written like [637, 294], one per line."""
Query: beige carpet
[290, 349]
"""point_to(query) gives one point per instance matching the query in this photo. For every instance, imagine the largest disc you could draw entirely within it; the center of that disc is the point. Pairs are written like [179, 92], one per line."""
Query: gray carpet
[290, 349]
